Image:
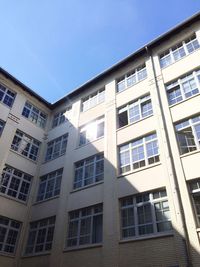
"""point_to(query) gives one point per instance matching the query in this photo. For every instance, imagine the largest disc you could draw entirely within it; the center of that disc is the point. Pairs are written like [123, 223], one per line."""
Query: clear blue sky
[54, 46]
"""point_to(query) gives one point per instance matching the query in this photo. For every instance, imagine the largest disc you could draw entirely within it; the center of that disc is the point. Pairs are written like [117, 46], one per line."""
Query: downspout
[186, 241]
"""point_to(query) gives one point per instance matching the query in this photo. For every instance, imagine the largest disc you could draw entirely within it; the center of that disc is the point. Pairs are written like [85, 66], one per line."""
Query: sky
[54, 46]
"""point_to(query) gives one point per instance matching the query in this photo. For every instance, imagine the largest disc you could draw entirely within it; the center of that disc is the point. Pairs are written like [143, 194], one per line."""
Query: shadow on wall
[113, 220]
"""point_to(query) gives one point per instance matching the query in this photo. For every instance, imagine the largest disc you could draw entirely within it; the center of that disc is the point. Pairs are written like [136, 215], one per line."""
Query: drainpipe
[186, 241]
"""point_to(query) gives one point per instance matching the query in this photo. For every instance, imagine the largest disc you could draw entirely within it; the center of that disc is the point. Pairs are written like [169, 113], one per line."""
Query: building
[107, 176]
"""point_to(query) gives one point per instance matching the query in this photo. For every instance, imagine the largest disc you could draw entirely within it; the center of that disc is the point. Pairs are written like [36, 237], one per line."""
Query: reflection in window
[135, 111]
[188, 135]
[139, 153]
[145, 214]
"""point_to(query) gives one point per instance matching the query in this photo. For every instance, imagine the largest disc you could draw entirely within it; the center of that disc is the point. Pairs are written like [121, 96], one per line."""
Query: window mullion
[9, 182]
[145, 151]
[181, 89]
[185, 48]
[91, 226]
[136, 217]
[20, 184]
[153, 213]
[195, 135]
[79, 229]
[6, 235]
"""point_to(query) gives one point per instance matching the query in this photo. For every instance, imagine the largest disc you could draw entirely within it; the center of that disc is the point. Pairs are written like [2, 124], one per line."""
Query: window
[34, 114]
[132, 78]
[6, 96]
[91, 131]
[139, 153]
[61, 117]
[40, 236]
[145, 214]
[2, 123]
[56, 147]
[179, 51]
[195, 192]
[15, 183]
[25, 145]
[188, 134]
[135, 111]
[85, 226]
[93, 99]
[9, 234]
[49, 185]
[89, 171]
[183, 88]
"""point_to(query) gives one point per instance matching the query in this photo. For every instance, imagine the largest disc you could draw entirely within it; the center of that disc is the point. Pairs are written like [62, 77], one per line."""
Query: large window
[195, 192]
[131, 78]
[91, 131]
[15, 183]
[93, 99]
[34, 114]
[56, 147]
[49, 185]
[188, 134]
[25, 145]
[2, 123]
[145, 214]
[179, 51]
[135, 111]
[61, 117]
[139, 153]
[40, 236]
[85, 226]
[89, 171]
[184, 87]
[6, 96]
[9, 234]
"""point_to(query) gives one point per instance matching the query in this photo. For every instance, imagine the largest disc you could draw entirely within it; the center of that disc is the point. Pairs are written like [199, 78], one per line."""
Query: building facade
[107, 176]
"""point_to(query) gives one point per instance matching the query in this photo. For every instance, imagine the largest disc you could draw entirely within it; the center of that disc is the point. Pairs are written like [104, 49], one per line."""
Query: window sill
[184, 100]
[78, 147]
[45, 200]
[138, 170]
[4, 254]
[84, 111]
[162, 68]
[14, 199]
[53, 159]
[85, 187]
[190, 153]
[36, 255]
[151, 236]
[129, 86]
[135, 122]
[17, 153]
[89, 246]
[42, 128]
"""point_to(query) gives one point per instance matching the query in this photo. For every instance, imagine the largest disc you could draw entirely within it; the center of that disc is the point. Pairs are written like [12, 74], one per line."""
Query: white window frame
[191, 122]
[94, 160]
[182, 45]
[7, 96]
[25, 145]
[78, 217]
[89, 132]
[93, 100]
[57, 147]
[10, 226]
[61, 117]
[194, 187]
[135, 73]
[7, 186]
[171, 87]
[46, 224]
[139, 142]
[139, 102]
[147, 199]
[34, 114]
[51, 184]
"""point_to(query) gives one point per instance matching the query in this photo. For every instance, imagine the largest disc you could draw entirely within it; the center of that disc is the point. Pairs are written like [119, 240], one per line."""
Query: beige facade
[108, 176]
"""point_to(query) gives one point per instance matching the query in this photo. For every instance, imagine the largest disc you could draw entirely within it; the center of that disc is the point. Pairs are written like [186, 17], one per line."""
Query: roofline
[25, 88]
[121, 63]
[115, 67]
